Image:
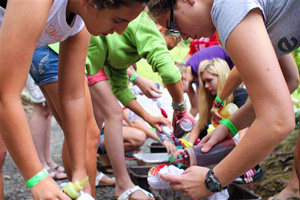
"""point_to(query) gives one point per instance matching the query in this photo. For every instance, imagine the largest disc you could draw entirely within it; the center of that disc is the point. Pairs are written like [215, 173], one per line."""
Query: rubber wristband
[230, 126]
[133, 77]
[135, 80]
[37, 178]
[218, 99]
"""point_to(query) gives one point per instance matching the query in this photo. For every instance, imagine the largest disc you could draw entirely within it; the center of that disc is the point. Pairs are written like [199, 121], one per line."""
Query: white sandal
[98, 179]
[125, 195]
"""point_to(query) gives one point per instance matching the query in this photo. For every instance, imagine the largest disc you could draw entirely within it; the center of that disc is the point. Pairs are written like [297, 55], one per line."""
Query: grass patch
[145, 70]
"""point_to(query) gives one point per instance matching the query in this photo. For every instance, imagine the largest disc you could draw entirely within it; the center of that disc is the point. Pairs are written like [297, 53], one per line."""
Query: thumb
[170, 178]
[206, 147]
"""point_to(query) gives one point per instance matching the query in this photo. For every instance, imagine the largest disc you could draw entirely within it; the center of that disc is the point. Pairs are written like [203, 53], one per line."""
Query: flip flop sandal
[56, 174]
[103, 164]
[126, 195]
[59, 169]
[100, 183]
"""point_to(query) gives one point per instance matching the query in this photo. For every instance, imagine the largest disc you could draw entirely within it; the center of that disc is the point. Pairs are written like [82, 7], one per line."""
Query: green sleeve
[151, 46]
[118, 80]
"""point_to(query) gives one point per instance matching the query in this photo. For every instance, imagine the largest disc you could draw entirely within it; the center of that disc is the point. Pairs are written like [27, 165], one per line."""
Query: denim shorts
[44, 67]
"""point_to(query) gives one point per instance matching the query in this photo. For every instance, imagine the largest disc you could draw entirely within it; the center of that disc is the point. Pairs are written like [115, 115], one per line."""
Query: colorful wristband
[133, 77]
[179, 106]
[221, 101]
[37, 178]
[230, 126]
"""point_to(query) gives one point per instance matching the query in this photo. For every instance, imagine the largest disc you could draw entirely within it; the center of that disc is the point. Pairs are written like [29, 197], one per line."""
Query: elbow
[282, 125]
[115, 114]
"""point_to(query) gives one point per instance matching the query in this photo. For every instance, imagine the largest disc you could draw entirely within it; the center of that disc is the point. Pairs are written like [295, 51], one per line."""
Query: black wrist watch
[212, 182]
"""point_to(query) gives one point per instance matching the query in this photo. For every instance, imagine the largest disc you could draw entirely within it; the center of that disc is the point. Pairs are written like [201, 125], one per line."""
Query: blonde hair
[216, 67]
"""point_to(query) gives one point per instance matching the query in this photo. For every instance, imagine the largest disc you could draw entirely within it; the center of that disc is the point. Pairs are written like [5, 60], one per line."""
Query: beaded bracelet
[230, 126]
[221, 101]
[37, 178]
[133, 77]
[179, 106]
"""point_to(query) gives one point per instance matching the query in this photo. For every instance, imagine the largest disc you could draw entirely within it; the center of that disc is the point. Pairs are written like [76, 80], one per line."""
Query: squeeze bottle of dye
[183, 126]
[194, 156]
[225, 112]
[73, 189]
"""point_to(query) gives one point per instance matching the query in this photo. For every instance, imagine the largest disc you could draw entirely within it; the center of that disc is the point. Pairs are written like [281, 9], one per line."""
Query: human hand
[191, 182]
[216, 117]
[156, 122]
[219, 134]
[171, 148]
[177, 115]
[48, 189]
[148, 88]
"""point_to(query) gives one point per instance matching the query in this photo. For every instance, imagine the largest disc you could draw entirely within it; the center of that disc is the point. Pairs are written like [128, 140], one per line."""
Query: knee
[93, 138]
[139, 139]
[115, 114]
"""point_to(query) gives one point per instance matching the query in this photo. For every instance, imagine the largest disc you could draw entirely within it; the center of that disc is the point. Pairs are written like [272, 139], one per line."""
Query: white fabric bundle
[156, 182]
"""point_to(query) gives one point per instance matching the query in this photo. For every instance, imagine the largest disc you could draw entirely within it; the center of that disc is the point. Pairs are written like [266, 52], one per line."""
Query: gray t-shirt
[282, 20]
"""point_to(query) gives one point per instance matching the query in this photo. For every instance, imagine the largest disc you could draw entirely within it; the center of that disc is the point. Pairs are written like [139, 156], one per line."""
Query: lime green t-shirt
[116, 53]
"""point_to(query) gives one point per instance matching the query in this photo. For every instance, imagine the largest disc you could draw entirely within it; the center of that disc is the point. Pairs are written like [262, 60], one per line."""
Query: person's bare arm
[71, 87]
[260, 70]
[140, 111]
[193, 100]
[269, 93]
[231, 83]
[19, 36]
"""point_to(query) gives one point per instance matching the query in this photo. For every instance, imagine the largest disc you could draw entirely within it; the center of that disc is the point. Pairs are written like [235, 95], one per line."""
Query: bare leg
[133, 138]
[3, 152]
[51, 94]
[296, 179]
[112, 112]
[38, 125]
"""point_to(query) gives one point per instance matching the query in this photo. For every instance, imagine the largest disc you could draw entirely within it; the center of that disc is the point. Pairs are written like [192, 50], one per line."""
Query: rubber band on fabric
[230, 126]
[37, 178]
[133, 77]
[221, 101]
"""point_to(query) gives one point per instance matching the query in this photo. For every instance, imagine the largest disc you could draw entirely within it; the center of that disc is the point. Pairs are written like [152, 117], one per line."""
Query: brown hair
[157, 7]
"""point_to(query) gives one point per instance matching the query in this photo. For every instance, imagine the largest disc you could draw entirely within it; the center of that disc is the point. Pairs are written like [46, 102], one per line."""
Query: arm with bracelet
[231, 83]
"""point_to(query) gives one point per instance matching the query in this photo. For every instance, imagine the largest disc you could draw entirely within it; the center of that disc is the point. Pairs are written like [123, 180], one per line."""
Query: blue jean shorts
[44, 66]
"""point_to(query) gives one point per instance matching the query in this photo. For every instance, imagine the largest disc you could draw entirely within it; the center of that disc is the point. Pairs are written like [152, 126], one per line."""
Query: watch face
[212, 183]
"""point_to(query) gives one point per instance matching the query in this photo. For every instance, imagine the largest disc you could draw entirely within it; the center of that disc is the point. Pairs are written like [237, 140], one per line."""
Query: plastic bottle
[194, 156]
[73, 189]
[225, 112]
[183, 126]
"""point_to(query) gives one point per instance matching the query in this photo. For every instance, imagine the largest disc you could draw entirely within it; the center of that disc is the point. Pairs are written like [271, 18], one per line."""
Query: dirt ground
[277, 169]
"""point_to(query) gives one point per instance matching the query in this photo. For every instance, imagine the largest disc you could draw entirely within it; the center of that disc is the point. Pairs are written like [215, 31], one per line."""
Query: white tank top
[56, 29]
